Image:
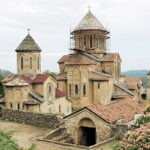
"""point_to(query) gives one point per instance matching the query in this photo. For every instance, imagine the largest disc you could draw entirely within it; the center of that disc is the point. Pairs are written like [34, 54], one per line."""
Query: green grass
[109, 145]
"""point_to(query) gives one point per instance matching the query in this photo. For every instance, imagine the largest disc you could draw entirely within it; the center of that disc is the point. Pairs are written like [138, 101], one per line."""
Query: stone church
[29, 89]
[90, 74]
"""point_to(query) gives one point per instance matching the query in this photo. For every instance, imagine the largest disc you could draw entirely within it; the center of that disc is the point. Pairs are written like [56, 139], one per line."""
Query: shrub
[8, 143]
[136, 140]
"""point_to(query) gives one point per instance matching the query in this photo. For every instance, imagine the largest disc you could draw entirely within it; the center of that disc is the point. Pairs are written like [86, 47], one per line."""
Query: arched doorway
[86, 132]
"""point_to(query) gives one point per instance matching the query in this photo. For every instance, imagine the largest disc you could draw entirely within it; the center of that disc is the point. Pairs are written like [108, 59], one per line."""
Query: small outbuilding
[91, 124]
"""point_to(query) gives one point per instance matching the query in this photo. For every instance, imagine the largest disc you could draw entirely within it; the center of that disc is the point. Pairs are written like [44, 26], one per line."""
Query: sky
[50, 22]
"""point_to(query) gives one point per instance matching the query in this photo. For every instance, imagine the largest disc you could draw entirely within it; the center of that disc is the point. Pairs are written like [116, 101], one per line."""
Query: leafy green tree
[49, 72]
[1, 86]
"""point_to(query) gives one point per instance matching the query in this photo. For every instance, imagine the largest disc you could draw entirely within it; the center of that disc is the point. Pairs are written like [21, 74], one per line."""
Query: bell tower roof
[28, 44]
[89, 22]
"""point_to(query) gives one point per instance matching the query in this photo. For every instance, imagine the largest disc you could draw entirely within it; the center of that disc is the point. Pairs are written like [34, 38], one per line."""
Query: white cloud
[50, 22]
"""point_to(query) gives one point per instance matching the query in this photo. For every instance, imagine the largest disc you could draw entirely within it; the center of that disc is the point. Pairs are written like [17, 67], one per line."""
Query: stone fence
[37, 119]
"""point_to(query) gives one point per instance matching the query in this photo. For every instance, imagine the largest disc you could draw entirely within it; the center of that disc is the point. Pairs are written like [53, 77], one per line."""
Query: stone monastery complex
[89, 82]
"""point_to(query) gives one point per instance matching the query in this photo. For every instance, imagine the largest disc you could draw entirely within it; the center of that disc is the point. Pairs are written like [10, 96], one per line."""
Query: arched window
[21, 63]
[84, 90]
[91, 41]
[30, 62]
[76, 89]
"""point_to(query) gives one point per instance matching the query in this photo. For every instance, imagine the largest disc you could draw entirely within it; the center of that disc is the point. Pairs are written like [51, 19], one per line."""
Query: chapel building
[90, 74]
[29, 89]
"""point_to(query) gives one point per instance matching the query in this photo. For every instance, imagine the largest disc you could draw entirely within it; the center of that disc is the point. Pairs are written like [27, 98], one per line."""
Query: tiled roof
[121, 86]
[26, 78]
[79, 59]
[8, 78]
[59, 93]
[40, 78]
[120, 95]
[133, 79]
[109, 57]
[124, 110]
[36, 96]
[103, 74]
[32, 102]
[98, 79]
[28, 44]
[89, 22]
[63, 58]
[16, 81]
[134, 82]
[59, 78]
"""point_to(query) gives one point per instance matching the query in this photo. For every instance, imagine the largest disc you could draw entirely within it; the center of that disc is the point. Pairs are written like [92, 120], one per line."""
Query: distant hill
[4, 73]
[137, 73]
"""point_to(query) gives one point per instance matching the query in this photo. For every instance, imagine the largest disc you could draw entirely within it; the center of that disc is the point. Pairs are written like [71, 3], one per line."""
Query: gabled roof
[124, 110]
[28, 44]
[40, 78]
[59, 93]
[89, 22]
[79, 59]
[36, 96]
[110, 57]
[102, 74]
[32, 101]
[16, 81]
[121, 86]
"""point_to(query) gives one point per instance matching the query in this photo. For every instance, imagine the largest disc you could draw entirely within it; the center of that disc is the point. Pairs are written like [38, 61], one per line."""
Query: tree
[49, 72]
[1, 86]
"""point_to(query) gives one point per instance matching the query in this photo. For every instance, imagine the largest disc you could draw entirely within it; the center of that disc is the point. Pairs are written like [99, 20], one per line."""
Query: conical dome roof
[28, 44]
[90, 22]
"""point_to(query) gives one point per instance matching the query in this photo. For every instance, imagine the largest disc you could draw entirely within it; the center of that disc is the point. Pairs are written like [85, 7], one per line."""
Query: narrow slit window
[69, 89]
[30, 62]
[38, 64]
[21, 63]
[96, 41]
[79, 41]
[84, 90]
[76, 89]
[84, 41]
[50, 89]
[91, 41]
[10, 105]
[98, 85]
[18, 106]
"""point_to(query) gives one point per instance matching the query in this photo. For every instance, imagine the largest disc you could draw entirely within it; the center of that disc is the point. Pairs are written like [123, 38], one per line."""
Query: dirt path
[26, 135]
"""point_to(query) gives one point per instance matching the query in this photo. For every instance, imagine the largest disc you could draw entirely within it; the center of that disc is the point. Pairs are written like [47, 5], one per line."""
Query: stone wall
[37, 119]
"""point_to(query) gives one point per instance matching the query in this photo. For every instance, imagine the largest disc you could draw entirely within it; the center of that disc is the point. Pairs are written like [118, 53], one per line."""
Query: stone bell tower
[90, 36]
[28, 57]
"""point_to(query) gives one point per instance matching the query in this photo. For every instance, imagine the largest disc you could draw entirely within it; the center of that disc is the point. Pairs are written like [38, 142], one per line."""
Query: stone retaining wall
[37, 119]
